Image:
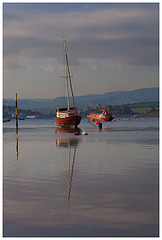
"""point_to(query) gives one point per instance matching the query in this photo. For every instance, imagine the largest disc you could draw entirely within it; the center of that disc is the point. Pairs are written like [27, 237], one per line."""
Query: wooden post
[16, 113]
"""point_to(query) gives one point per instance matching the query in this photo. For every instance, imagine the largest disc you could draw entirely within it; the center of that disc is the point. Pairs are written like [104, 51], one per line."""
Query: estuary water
[104, 184]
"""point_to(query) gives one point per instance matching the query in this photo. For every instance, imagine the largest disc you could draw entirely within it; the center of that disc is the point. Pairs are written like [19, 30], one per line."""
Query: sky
[110, 47]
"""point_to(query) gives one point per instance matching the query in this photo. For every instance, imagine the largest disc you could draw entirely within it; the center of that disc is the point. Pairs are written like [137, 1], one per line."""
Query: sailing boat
[67, 116]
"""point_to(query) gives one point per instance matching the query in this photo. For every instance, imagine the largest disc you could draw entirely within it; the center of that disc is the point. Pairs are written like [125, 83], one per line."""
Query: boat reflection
[67, 130]
[67, 142]
[68, 139]
[71, 143]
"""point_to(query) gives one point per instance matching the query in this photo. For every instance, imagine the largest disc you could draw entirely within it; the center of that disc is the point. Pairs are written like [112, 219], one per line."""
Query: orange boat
[104, 116]
[67, 116]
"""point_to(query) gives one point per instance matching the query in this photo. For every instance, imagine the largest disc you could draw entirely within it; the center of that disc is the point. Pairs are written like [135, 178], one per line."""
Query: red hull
[68, 121]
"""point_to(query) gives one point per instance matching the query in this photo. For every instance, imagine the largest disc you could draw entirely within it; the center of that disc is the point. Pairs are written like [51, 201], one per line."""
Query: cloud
[125, 33]
[48, 68]
[16, 63]
[98, 68]
[119, 66]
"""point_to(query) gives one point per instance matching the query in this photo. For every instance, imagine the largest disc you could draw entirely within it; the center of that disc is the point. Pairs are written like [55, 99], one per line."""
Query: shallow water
[105, 183]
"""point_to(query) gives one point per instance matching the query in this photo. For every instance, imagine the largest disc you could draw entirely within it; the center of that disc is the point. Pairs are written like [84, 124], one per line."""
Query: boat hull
[93, 117]
[6, 119]
[73, 121]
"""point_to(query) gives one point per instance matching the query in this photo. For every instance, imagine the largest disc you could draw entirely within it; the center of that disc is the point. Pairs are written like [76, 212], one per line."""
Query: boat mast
[66, 76]
[68, 69]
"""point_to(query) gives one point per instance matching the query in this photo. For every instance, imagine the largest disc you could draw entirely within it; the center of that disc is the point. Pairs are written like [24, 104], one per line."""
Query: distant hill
[119, 97]
[91, 100]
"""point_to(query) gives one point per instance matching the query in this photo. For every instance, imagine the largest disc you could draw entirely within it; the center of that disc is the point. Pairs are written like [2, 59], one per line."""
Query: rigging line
[89, 123]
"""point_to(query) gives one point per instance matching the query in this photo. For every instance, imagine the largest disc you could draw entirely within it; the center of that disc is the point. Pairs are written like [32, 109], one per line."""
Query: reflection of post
[70, 177]
[16, 113]
[17, 149]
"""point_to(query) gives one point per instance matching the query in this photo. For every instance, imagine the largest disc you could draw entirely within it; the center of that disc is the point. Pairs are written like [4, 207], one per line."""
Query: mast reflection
[71, 143]
[70, 176]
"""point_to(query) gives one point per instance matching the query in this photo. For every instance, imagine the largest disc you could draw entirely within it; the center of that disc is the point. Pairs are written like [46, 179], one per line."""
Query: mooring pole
[16, 113]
